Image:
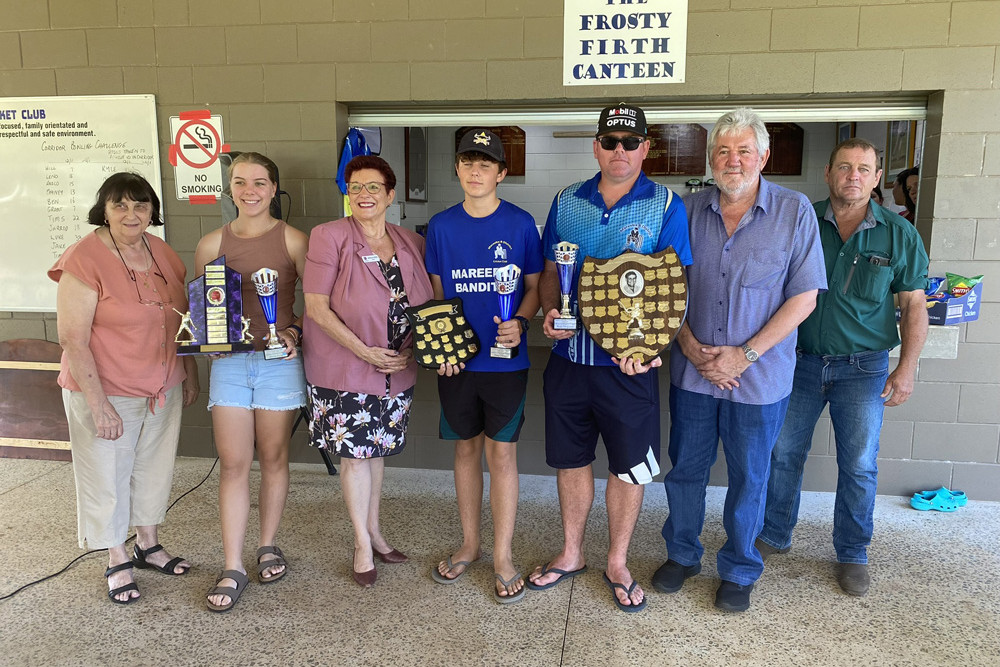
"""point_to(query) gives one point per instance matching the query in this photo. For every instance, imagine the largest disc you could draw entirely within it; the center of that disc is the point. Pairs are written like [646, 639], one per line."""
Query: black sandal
[121, 589]
[139, 560]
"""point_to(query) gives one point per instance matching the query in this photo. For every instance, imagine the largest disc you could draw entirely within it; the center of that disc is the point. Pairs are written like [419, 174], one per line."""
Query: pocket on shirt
[871, 283]
[764, 269]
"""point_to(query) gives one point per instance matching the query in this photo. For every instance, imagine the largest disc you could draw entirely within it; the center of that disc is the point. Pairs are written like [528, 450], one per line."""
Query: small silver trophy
[265, 282]
[506, 279]
[566, 264]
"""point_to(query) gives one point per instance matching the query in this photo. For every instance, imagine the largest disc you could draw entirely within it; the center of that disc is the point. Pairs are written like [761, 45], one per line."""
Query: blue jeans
[697, 421]
[852, 385]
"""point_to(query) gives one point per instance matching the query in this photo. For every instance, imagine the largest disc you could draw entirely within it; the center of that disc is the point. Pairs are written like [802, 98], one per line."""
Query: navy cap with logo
[482, 141]
[622, 118]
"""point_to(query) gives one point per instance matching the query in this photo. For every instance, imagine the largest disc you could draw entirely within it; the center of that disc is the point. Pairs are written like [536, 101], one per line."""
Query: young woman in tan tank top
[254, 401]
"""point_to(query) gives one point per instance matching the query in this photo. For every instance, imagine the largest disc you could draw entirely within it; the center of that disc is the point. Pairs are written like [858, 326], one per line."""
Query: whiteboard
[55, 152]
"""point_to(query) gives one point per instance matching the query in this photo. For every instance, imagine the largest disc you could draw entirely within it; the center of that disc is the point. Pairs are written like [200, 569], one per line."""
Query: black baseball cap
[622, 118]
[482, 141]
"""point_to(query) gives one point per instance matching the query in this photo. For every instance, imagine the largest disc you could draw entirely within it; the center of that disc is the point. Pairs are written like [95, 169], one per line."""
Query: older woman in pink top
[123, 387]
[361, 274]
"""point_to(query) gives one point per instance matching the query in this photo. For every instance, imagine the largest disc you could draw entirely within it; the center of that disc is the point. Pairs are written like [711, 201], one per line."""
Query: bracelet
[298, 332]
[525, 323]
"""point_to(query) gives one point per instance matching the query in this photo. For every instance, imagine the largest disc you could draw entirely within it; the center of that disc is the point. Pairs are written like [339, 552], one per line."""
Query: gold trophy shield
[633, 305]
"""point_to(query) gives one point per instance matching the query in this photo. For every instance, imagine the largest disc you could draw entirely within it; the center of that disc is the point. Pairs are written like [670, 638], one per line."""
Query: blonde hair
[251, 157]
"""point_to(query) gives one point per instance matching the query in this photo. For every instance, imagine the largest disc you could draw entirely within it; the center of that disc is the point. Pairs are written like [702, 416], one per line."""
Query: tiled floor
[935, 597]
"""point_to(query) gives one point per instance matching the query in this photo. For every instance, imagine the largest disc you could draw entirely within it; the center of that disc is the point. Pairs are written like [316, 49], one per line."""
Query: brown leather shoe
[365, 579]
[391, 557]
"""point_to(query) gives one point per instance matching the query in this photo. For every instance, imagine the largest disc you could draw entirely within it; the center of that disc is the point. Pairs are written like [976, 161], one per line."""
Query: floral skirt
[358, 426]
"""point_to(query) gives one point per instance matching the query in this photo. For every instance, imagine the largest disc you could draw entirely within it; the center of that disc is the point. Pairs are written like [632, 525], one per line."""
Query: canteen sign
[624, 41]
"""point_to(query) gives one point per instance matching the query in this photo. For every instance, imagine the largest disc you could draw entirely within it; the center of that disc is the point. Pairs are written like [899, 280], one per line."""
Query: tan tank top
[250, 255]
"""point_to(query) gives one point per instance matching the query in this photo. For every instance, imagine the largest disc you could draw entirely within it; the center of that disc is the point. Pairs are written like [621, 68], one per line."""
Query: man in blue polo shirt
[871, 255]
[758, 266]
[587, 392]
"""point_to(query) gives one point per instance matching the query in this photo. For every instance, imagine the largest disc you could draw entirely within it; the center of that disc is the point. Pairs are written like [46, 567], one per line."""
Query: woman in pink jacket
[360, 276]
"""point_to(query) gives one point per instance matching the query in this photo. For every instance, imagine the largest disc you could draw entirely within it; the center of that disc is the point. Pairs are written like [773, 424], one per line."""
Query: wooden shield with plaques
[441, 333]
[633, 305]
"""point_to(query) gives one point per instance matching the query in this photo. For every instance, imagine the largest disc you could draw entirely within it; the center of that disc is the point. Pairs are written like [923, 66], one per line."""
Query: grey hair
[738, 120]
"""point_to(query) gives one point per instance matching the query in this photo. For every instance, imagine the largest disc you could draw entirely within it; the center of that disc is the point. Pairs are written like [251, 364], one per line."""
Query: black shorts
[582, 402]
[478, 402]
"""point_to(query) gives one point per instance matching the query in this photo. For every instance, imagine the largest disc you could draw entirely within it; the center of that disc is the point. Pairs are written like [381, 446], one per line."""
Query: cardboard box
[957, 308]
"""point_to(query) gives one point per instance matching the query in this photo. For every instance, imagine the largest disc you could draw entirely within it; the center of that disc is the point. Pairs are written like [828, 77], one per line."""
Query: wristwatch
[751, 354]
[525, 323]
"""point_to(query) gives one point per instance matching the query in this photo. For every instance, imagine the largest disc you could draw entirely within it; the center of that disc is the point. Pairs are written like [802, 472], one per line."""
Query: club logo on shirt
[500, 250]
[635, 236]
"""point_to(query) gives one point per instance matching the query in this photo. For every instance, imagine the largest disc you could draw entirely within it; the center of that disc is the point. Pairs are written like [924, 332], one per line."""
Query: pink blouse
[342, 265]
[132, 342]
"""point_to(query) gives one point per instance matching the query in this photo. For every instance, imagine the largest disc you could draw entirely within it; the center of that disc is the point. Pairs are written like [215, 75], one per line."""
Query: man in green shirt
[871, 254]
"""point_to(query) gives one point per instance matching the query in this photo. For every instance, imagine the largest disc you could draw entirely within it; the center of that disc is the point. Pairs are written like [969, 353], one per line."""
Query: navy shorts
[478, 402]
[582, 402]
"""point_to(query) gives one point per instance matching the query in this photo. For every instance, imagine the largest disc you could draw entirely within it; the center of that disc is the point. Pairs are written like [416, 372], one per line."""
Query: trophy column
[566, 265]
[214, 322]
[506, 279]
[265, 282]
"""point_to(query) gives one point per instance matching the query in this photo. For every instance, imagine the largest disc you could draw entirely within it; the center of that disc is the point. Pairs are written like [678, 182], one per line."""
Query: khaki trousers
[124, 482]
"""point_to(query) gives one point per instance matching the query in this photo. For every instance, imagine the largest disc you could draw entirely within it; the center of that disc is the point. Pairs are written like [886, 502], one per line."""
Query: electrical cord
[288, 210]
[96, 551]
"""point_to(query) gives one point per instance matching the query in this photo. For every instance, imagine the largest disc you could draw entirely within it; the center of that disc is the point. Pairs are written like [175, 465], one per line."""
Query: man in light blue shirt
[758, 266]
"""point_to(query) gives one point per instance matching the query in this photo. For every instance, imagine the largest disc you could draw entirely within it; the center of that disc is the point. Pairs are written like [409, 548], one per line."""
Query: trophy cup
[265, 282]
[506, 279]
[566, 264]
[214, 323]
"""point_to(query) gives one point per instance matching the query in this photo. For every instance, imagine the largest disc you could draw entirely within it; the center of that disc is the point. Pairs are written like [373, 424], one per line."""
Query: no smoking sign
[197, 143]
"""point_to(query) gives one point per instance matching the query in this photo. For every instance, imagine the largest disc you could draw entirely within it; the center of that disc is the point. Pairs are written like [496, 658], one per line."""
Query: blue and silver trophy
[566, 264]
[266, 283]
[506, 279]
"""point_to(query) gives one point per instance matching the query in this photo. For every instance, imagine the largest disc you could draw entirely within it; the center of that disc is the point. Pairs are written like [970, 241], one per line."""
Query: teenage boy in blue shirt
[482, 400]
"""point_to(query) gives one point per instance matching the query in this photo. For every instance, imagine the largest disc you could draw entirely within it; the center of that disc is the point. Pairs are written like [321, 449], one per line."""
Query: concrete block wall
[283, 75]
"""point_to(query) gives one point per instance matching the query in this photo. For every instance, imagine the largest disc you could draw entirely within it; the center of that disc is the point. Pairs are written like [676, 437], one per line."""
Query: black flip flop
[628, 608]
[564, 575]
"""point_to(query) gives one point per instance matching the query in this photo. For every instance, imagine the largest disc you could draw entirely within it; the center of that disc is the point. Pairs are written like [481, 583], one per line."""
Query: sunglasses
[373, 187]
[628, 143]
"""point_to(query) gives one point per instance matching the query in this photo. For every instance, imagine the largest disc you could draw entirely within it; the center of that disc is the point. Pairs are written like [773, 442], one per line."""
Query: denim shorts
[252, 382]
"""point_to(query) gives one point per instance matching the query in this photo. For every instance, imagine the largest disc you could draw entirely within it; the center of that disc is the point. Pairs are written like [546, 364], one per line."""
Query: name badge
[370, 258]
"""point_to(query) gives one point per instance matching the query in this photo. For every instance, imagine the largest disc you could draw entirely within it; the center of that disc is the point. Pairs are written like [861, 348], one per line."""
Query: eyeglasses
[131, 274]
[140, 207]
[373, 187]
[628, 143]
